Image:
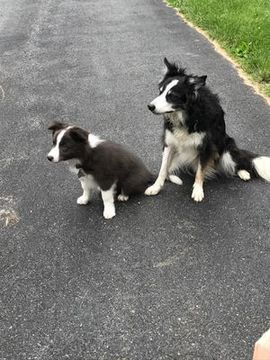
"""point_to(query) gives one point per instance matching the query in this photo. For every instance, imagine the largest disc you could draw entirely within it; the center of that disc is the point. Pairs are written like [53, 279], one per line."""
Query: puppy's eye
[63, 143]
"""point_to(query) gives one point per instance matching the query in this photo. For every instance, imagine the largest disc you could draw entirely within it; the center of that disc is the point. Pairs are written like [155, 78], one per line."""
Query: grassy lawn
[242, 27]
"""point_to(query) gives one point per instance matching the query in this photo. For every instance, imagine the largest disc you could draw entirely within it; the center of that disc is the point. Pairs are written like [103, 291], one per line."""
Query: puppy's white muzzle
[53, 155]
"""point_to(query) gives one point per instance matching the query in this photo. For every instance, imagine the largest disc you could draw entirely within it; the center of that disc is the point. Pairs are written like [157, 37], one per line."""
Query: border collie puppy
[100, 164]
[195, 135]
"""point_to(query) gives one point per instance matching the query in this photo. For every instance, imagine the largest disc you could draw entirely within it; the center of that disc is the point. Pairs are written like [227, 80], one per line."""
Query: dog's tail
[262, 167]
[243, 163]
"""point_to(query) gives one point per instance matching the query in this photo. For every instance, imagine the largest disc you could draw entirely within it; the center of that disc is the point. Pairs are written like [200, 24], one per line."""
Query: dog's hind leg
[235, 161]
[122, 197]
[163, 172]
[244, 175]
[175, 179]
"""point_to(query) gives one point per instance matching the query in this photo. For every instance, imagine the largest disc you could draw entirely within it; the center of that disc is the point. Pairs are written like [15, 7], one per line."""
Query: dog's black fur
[203, 113]
[108, 162]
[190, 108]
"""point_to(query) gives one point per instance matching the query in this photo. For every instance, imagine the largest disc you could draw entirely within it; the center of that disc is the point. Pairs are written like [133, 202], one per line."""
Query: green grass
[242, 27]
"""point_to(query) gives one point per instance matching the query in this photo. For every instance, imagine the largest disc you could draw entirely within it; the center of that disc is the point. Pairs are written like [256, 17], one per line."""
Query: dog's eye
[177, 98]
[183, 98]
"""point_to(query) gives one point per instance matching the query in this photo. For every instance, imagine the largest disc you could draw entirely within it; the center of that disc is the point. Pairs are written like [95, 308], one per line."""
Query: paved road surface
[167, 278]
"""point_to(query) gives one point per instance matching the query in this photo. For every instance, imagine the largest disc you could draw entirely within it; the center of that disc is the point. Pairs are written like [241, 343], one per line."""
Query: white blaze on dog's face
[160, 104]
[54, 154]
[177, 90]
[68, 142]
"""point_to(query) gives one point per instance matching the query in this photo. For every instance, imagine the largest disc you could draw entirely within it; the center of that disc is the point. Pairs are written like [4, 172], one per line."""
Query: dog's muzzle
[151, 107]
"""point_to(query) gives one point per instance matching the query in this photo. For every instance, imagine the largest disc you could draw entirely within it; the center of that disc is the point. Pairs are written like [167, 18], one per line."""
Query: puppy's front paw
[109, 213]
[153, 190]
[197, 193]
[82, 200]
[122, 197]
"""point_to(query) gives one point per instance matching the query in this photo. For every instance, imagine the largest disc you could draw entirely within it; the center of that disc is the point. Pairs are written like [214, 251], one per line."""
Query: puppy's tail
[244, 163]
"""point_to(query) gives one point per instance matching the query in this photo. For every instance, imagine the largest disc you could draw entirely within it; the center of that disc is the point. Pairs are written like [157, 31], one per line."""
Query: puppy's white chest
[72, 166]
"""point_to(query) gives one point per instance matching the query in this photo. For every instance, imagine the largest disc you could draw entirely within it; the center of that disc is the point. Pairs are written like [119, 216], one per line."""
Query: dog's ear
[167, 63]
[172, 69]
[79, 135]
[56, 125]
[197, 81]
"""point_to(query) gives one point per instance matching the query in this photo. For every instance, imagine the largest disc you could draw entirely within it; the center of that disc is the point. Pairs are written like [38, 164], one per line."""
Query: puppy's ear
[56, 125]
[197, 81]
[173, 69]
[79, 135]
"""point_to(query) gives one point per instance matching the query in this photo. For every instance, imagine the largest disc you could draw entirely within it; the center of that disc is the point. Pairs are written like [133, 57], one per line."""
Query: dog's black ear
[167, 63]
[79, 135]
[56, 125]
[197, 81]
[172, 69]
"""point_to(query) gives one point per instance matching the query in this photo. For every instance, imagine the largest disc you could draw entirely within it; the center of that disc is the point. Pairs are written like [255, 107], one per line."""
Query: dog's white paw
[244, 175]
[197, 193]
[175, 179]
[153, 190]
[109, 213]
[82, 200]
[122, 197]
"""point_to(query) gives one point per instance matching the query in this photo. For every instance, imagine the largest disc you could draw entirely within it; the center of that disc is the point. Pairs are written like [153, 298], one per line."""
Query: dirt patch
[8, 216]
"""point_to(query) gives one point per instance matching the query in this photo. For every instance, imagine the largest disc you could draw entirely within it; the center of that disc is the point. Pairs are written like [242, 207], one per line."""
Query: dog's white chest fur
[185, 144]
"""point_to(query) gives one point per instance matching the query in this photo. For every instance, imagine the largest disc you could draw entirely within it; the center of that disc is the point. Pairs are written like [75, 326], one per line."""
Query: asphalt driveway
[166, 278]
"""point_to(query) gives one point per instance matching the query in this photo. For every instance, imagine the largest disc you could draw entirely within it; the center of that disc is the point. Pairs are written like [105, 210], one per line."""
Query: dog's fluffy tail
[261, 165]
[235, 161]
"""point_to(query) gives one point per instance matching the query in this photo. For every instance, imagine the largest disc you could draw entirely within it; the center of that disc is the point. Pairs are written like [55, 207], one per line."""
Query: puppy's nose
[50, 158]
[151, 107]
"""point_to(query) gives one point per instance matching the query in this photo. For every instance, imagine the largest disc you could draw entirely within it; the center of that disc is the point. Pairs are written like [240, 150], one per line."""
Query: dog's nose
[151, 107]
[50, 158]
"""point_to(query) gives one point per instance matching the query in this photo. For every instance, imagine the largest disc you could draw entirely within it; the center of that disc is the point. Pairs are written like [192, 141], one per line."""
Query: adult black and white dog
[195, 135]
[100, 164]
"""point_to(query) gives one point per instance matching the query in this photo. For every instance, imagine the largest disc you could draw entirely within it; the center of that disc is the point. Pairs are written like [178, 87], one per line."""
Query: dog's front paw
[122, 197]
[197, 193]
[82, 200]
[109, 213]
[153, 190]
